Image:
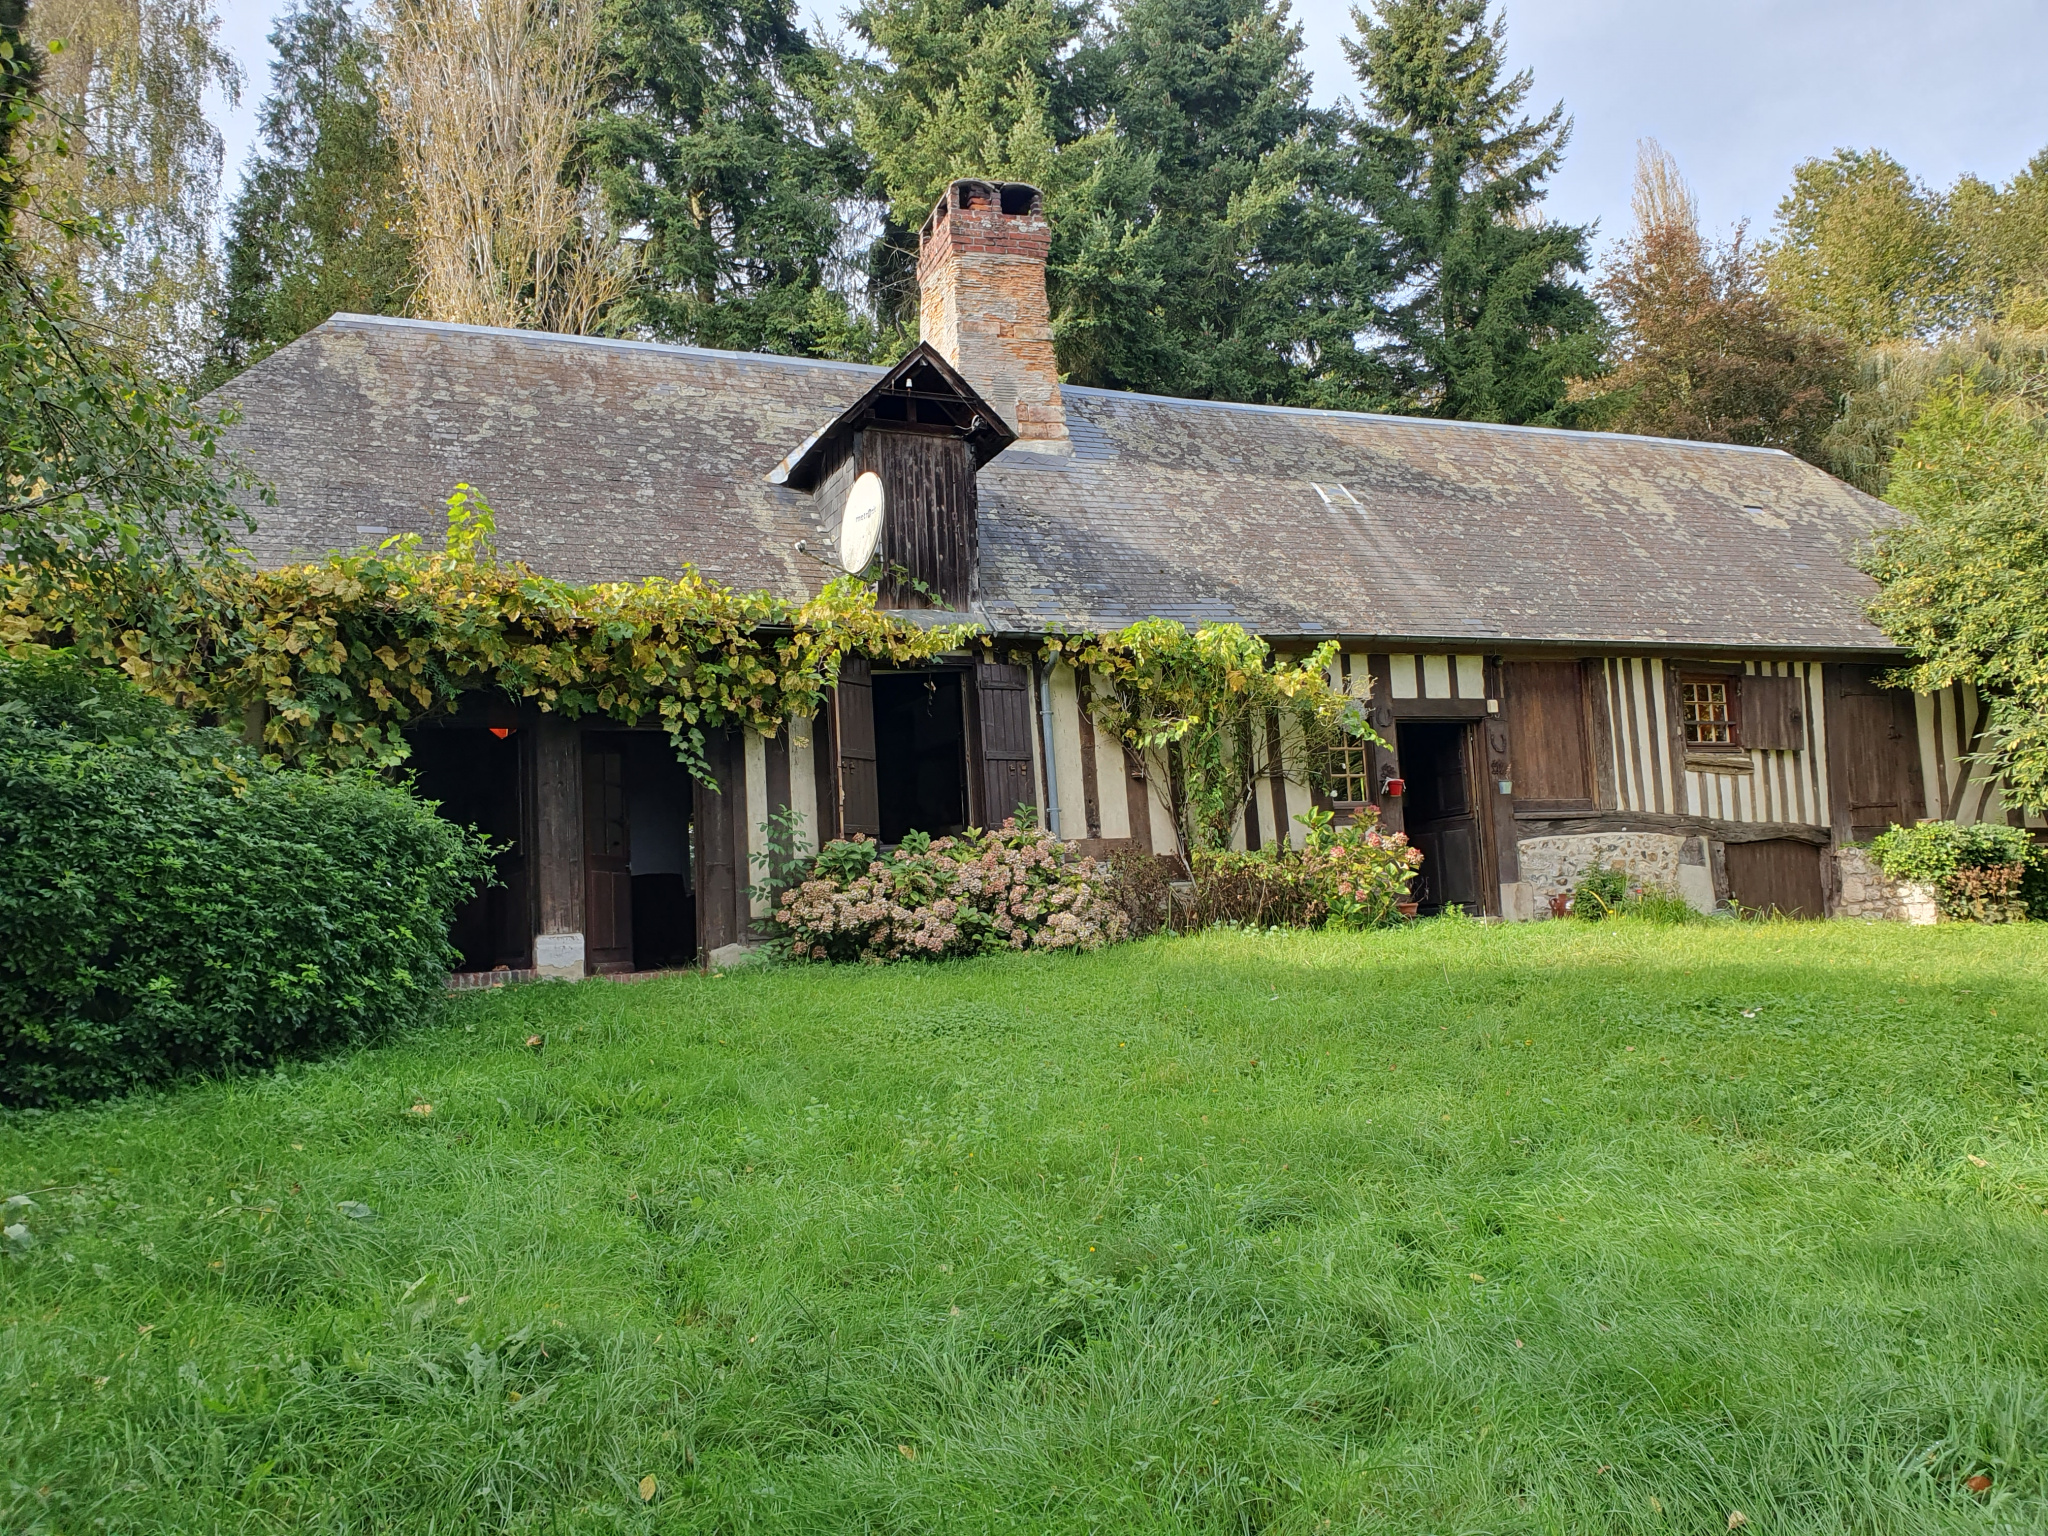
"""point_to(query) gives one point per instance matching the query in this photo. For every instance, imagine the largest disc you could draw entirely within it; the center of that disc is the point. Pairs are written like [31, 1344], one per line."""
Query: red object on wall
[1393, 789]
[501, 731]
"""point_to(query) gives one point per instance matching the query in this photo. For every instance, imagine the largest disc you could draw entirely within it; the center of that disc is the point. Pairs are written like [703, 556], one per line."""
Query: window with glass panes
[1350, 775]
[1707, 705]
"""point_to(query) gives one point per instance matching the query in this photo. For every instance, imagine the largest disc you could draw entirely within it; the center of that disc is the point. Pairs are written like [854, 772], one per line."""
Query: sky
[1739, 91]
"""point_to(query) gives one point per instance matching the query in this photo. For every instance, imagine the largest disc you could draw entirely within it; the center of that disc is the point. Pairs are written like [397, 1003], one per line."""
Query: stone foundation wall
[1553, 866]
[1867, 892]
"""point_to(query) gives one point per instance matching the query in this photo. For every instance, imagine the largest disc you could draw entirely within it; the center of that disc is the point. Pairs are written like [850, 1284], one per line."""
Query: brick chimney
[981, 302]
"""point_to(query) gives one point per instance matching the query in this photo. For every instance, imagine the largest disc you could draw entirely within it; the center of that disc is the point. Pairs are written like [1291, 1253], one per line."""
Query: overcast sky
[1739, 90]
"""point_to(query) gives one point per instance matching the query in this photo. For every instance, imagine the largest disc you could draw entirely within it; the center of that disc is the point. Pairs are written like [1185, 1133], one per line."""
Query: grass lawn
[1558, 1228]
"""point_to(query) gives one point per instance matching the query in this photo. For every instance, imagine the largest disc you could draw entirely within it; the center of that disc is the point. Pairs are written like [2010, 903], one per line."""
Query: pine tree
[1494, 326]
[1202, 244]
[718, 141]
[319, 226]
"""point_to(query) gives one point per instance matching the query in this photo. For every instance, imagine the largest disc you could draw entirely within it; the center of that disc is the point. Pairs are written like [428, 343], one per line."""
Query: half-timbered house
[1578, 647]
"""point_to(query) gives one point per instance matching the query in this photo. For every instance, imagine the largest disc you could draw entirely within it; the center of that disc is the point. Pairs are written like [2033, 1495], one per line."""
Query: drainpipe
[1042, 678]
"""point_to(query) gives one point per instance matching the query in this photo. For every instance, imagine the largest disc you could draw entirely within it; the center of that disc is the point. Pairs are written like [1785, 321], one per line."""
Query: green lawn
[1459, 1229]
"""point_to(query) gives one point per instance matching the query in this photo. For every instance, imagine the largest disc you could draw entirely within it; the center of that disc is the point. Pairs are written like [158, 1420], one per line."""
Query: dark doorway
[1873, 754]
[921, 753]
[1440, 812]
[476, 776]
[639, 904]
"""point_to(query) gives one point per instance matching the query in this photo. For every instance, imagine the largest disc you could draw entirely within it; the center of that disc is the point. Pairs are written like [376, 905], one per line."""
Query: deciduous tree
[1703, 350]
[488, 101]
[125, 95]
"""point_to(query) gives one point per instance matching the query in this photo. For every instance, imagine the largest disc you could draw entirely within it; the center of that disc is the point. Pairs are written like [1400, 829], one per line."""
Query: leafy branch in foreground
[99, 462]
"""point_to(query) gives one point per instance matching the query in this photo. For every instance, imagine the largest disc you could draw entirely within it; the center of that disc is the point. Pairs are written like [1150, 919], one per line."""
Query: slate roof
[613, 460]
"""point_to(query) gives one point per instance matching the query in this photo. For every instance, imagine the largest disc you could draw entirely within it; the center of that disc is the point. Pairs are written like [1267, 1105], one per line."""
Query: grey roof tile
[612, 460]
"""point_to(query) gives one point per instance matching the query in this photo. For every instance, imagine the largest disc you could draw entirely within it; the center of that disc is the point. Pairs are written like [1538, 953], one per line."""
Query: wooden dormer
[926, 432]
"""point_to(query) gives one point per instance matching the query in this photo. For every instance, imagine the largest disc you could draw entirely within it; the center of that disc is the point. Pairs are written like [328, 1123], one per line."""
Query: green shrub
[1599, 893]
[1341, 877]
[169, 906]
[1986, 873]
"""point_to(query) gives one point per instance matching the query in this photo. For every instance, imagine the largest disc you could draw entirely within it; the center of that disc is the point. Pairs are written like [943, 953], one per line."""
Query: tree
[1203, 243]
[320, 225]
[488, 101]
[141, 161]
[1965, 578]
[718, 141]
[1859, 248]
[102, 467]
[1493, 326]
[1703, 350]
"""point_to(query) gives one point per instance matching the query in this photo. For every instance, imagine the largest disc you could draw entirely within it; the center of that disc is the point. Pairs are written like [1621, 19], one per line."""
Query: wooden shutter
[1002, 696]
[853, 740]
[1773, 714]
[1549, 739]
[607, 864]
[1777, 875]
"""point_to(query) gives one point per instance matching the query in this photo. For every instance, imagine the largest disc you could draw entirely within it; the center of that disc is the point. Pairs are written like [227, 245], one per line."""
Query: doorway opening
[639, 893]
[921, 753]
[476, 776]
[1441, 812]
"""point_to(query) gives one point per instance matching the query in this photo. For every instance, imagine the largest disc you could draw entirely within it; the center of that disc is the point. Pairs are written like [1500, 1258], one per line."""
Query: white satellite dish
[861, 524]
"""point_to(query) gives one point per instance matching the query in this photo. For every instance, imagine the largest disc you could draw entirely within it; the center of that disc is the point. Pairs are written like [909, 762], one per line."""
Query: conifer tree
[718, 142]
[1202, 244]
[1494, 325]
[319, 226]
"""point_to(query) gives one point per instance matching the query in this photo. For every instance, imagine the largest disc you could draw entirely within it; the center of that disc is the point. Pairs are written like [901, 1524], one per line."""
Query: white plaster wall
[803, 777]
[1066, 747]
[757, 811]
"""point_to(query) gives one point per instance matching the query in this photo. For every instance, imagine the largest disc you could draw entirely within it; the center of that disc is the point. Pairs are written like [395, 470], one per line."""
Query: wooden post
[558, 847]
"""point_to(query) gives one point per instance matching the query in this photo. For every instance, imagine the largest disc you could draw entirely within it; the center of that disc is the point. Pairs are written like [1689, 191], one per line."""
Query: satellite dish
[861, 524]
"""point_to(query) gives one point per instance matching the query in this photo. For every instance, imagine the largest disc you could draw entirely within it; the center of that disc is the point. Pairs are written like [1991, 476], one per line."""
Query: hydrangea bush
[925, 899]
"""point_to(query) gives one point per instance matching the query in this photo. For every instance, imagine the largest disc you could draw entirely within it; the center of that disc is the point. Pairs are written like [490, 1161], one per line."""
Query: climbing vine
[1212, 702]
[336, 657]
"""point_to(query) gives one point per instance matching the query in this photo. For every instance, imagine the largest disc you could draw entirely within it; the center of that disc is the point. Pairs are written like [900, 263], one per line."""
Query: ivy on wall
[1213, 699]
[336, 657]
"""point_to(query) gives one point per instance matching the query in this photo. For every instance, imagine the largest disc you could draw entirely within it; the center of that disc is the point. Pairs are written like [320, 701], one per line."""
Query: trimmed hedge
[168, 906]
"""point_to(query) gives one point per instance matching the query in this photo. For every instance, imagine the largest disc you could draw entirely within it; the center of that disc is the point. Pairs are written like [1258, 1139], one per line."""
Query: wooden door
[853, 741]
[1780, 874]
[1002, 696]
[1874, 778]
[607, 861]
[1442, 817]
[1550, 741]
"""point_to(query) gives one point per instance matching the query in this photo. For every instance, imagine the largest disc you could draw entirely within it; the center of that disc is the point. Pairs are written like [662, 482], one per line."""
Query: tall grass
[1569, 1228]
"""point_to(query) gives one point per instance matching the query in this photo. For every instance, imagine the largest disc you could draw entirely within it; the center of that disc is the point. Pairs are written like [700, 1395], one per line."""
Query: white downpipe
[1041, 680]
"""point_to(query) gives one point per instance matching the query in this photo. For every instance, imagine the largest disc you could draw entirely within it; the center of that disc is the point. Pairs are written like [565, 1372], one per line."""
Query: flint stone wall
[1553, 866]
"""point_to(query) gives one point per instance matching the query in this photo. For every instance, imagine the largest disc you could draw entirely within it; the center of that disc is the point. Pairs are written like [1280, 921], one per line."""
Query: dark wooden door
[1874, 778]
[1780, 874]
[1436, 762]
[1550, 742]
[853, 742]
[607, 861]
[1002, 695]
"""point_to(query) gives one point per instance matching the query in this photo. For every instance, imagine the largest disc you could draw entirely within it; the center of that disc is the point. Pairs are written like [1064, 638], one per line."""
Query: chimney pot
[981, 303]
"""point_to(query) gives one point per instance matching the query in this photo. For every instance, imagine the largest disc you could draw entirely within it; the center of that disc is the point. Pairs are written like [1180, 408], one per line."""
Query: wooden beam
[1574, 824]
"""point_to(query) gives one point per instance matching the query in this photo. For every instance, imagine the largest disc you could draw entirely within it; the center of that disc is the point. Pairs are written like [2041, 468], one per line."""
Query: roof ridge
[1094, 392]
[344, 320]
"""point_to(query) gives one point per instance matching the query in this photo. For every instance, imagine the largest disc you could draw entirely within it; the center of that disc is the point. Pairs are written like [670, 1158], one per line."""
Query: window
[1350, 775]
[1707, 705]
